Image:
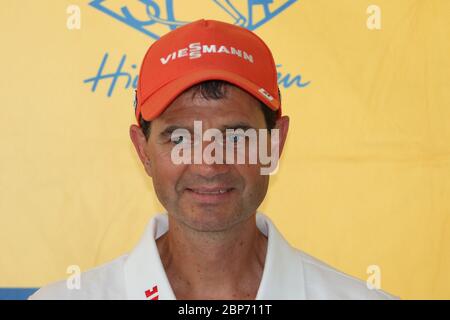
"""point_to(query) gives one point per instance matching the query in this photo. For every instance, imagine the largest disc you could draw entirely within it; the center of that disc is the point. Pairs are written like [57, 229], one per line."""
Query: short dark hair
[216, 89]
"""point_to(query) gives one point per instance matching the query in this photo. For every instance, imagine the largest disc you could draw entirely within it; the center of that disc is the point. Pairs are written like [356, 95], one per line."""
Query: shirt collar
[146, 279]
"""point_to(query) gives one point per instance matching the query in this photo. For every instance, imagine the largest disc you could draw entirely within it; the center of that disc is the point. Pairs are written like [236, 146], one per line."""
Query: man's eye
[177, 139]
[234, 138]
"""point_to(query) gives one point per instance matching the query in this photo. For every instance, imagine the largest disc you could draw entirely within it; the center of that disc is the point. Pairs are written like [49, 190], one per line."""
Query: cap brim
[160, 100]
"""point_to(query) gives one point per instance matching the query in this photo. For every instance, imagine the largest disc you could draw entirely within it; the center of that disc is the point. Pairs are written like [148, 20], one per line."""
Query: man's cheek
[163, 153]
[255, 182]
[250, 172]
[168, 176]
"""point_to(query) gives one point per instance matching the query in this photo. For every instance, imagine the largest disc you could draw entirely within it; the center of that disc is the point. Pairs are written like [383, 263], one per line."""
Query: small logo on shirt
[152, 294]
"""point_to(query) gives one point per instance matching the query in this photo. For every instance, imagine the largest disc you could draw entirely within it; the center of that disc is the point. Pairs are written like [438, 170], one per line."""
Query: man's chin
[210, 219]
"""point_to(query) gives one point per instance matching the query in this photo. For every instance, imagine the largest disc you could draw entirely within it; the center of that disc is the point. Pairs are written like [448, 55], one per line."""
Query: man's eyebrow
[239, 125]
[170, 129]
[233, 126]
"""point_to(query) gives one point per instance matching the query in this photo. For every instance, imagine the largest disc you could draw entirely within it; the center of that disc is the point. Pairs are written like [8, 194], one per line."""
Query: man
[212, 243]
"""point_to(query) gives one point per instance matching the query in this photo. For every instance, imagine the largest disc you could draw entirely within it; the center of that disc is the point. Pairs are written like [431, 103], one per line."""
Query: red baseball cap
[205, 50]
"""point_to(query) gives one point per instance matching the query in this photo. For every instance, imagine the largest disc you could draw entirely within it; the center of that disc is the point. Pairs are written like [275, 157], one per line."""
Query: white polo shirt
[288, 274]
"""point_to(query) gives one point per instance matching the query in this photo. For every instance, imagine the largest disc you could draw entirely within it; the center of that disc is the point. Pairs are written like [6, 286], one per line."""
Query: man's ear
[283, 125]
[140, 143]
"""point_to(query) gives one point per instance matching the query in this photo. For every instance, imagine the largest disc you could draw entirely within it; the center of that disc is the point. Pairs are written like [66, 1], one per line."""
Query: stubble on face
[188, 192]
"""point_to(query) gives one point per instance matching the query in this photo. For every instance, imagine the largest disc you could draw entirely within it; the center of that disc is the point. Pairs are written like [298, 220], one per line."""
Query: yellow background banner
[365, 176]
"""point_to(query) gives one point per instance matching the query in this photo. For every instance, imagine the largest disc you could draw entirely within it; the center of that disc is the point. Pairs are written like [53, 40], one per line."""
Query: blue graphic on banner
[162, 13]
[128, 76]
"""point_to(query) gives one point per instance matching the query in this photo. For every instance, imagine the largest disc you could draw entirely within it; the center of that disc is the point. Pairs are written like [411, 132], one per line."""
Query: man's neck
[213, 265]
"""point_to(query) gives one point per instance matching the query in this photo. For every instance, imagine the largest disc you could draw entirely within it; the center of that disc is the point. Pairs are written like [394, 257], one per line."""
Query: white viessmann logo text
[196, 49]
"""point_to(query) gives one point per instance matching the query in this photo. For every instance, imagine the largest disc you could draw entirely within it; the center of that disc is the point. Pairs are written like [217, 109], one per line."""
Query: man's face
[206, 197]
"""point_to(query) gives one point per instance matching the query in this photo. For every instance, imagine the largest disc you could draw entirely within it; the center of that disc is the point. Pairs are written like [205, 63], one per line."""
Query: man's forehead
[236, 105]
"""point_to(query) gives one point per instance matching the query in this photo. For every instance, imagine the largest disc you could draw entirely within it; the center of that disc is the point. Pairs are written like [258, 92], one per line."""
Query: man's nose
[209, 170]
[212, 163]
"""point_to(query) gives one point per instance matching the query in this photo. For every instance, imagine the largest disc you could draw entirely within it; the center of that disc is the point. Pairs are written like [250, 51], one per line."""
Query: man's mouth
[210, 191]
[210, 195]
